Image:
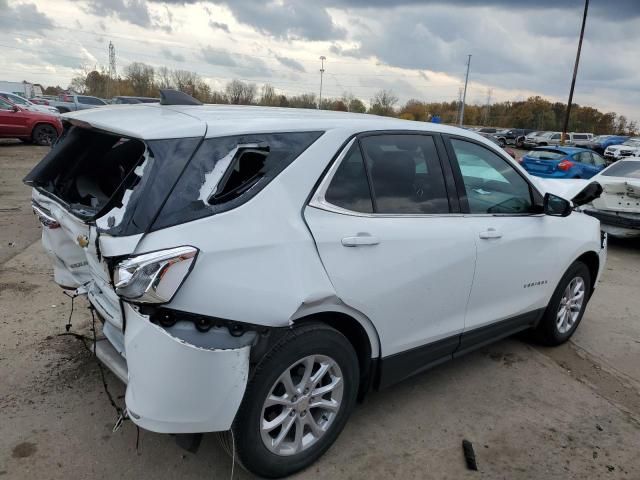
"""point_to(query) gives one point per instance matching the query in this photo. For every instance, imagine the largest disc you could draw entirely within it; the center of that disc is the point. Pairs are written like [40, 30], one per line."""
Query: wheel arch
[360, 332]
[592, 261]
[42, 122]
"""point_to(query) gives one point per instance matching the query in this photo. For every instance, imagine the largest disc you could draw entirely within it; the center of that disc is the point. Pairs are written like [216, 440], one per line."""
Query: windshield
[601, 138]
[16, 99]
[632, 142]
[623, 169]
[546, 155]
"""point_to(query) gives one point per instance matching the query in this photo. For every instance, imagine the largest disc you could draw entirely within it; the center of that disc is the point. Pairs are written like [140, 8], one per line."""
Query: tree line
[140, 79]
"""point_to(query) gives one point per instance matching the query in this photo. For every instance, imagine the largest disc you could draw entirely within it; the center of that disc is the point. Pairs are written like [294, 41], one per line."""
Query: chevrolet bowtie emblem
[83, 241]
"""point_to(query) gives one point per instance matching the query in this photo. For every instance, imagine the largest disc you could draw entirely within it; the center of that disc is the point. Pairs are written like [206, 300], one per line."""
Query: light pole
[575, 73]
[322, 59]
[464, 95]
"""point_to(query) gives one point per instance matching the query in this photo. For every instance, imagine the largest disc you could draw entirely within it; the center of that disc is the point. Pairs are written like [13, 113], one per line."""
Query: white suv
[630, 148]
[258, 270]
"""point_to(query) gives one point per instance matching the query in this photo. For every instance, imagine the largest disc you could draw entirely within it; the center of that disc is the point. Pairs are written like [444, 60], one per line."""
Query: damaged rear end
[97, 194]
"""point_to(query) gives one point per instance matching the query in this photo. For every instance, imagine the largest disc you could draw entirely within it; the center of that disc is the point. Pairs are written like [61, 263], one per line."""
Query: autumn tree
[383, 103]
[240, 93]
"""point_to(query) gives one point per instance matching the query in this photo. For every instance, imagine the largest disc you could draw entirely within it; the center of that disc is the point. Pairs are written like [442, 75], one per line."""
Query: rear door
[385, 220]
[515, 245]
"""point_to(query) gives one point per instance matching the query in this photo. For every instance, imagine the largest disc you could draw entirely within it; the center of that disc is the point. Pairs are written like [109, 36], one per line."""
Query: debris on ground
[469, 455]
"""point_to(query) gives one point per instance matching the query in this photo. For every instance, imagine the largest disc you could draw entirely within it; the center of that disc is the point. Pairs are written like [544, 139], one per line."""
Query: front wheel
[297, 402]
[44, 134]
[567, 306]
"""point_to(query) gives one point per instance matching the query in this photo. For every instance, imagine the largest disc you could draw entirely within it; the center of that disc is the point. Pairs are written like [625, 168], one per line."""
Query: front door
[392, 246]
[517, 247]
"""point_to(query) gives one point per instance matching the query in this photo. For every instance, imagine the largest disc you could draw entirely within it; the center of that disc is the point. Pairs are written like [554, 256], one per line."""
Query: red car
[29, 126]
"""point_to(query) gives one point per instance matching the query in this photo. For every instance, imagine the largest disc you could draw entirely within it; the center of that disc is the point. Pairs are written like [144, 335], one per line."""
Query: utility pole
[322, 59]
[575, 73]
[464, 95]
[459, 105]
[112, 69]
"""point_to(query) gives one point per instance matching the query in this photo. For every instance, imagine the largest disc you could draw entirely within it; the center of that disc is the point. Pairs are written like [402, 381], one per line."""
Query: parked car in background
[260, 269]
[548, 138]
[43, 100]
[628, 148]
[562, 162]
[26, 104]
[28, 125]
[581, 139]
[71, 103]
[495, 140]
[618, 207]
[531, 139]
[132, 100]
[601, 142]
[514, 136]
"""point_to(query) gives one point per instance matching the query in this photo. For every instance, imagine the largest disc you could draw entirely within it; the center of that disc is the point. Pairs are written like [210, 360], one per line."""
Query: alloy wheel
[570, 305]
[302, 405]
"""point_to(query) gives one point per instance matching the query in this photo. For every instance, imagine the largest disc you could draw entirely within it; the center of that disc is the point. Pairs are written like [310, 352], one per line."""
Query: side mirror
[15, 108]
[588, 194]
[556, 206]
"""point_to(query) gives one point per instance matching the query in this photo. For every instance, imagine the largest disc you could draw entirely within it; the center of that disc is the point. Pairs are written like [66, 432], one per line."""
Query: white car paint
[621, 198]
[630, 148]
[278, 257]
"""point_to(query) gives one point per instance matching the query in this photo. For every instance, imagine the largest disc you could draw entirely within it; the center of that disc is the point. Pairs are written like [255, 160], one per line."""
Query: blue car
[600, 143]
[562, 162]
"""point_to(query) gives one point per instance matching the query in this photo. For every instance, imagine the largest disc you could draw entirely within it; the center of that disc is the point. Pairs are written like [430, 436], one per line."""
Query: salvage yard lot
[530, 412]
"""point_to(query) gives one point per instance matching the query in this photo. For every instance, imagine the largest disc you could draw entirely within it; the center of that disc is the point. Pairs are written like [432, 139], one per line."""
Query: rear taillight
[565, 165]
[45, 219]
[154, 277]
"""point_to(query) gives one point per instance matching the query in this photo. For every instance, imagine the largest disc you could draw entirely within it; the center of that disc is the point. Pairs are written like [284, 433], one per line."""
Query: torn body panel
[186, 388]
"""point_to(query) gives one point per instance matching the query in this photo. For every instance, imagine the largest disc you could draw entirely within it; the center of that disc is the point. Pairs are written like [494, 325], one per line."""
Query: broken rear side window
[227, 171]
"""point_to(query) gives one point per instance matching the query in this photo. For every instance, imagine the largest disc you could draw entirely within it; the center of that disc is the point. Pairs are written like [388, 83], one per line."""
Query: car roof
[154, 121]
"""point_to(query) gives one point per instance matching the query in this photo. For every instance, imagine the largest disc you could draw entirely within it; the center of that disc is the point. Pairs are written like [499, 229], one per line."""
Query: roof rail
[175, 97]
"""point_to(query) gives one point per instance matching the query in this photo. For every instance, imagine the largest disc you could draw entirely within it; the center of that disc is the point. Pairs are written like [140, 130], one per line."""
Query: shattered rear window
[225, 172]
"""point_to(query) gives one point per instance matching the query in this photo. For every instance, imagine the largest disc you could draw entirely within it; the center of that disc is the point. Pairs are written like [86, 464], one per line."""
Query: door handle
[361, 239]
[490, 233]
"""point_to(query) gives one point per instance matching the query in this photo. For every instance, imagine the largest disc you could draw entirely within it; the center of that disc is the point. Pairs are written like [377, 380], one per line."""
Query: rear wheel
[567, 306]
[44, 134]
[297, 402]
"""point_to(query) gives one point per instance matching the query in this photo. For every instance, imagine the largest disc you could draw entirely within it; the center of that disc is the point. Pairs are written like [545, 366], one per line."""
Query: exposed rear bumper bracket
[111, 359]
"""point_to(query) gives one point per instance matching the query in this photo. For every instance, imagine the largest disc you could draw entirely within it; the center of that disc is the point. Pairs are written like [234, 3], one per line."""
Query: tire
[44, 134]
[502, 142]
[552, 330]
[520, 143]
[256, 447]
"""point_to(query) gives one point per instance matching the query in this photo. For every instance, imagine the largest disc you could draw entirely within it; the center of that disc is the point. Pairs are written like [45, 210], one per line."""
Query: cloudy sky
[417, 48]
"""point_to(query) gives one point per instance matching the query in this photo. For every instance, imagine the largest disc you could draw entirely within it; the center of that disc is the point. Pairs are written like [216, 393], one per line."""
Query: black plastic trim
[175, 97]
[403, 365]
[480, 337]
[397, 367]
